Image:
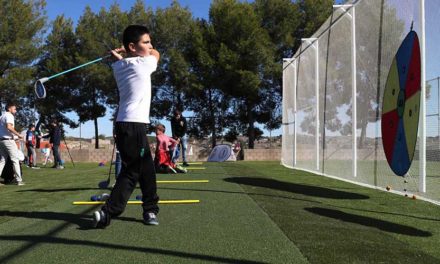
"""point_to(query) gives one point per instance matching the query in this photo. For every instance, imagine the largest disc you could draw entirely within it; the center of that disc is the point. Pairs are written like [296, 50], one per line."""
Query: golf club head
[103, 184]
[40, 90]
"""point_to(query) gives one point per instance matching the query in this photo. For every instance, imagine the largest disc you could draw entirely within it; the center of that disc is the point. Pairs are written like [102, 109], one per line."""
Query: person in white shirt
[133, 78]
[8, 148]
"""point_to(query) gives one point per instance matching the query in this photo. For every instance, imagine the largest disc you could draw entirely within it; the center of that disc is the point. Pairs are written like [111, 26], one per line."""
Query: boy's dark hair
[177, 112]
[31, 126]
[132, 34]
[9, 104]
[161, 127]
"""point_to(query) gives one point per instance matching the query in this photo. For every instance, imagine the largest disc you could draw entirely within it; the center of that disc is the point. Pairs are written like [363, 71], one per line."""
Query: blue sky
[74, 9]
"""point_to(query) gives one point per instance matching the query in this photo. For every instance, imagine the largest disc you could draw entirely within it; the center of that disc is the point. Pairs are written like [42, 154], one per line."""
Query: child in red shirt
[164, 149]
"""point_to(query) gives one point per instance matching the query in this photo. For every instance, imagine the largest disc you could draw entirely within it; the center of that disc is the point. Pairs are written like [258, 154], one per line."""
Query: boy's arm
[115, 53]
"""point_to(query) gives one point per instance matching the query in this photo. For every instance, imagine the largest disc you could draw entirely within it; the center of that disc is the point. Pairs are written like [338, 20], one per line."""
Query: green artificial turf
[332, 221]
[250, 212]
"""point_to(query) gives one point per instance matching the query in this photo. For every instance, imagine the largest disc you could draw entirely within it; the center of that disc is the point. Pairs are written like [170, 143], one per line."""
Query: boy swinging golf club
[132, 76]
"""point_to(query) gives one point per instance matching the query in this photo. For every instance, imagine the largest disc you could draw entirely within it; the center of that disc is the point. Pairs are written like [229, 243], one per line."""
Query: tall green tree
[111, 26]
[281, 19]
[22, 25]
[139, 14]
[91, 82]
[60, 51]
[313, 14]
[171, 35]
[205, 98]
[245, 55]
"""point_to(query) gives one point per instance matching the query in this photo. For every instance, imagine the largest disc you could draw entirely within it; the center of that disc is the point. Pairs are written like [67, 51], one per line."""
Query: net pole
[354, 89]
[286, 121]
[295, 65]
[317, 102]
[314, 44]
[422, 125]
[438, 109]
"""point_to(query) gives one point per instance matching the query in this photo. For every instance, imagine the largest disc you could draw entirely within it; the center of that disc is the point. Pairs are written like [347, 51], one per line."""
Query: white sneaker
[100, 219]
[20, 183]
[150, 219]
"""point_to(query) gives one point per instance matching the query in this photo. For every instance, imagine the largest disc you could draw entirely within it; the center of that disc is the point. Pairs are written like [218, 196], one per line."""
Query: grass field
[250, 212]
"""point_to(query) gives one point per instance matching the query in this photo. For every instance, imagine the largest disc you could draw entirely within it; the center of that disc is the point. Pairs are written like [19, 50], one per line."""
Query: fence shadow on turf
[36, 239]
[245, 193]
[419, 217]
[77, 219]
[369, 221]
[84, 221]
[60, 190]
[297, 188]
[89, 226]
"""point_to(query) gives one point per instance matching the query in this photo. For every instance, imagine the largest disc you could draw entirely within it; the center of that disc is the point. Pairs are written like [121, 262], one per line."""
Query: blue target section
[403, 58]
[400, 162]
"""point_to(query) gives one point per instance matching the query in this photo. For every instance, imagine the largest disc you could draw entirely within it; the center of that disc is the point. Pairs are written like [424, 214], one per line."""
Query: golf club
[40, 90]
[105, 184]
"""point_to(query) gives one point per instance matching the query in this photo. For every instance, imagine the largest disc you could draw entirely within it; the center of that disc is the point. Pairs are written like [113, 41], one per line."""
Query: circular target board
[401, 106]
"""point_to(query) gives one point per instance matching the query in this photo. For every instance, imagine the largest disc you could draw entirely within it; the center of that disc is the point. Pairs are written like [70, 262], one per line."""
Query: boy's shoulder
[138, 60]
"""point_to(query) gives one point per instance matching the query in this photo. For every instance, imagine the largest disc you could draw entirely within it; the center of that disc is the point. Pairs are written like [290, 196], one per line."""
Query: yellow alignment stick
[184, 181]
[139, 202]
[195, 168]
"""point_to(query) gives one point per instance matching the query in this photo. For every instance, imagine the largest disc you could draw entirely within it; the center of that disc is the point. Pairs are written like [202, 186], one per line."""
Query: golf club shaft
[77, 67]
[111, 162]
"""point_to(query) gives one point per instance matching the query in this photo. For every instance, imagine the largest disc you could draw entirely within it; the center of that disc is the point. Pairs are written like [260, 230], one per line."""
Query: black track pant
[56, 155]
[137, 166]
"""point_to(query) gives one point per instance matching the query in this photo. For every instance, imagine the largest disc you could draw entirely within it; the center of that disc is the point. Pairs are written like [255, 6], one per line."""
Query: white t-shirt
[6, 118]
[133, 77]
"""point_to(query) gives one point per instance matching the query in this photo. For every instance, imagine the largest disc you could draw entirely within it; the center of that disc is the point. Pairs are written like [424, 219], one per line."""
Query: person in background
[8, 147]
[31, 141]
[55, 140]
[178, 129]
[162, 158]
